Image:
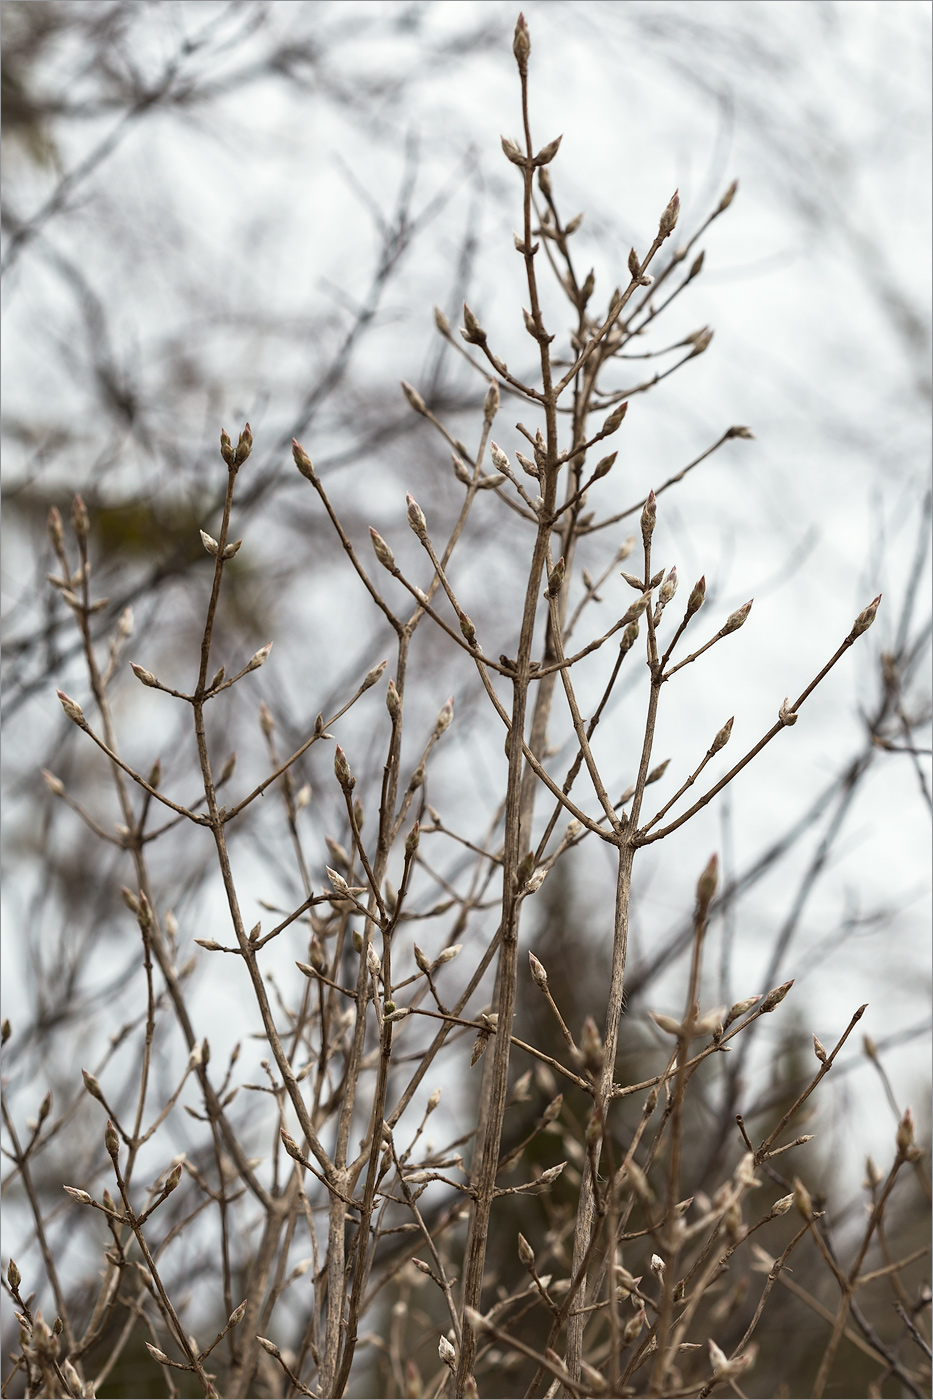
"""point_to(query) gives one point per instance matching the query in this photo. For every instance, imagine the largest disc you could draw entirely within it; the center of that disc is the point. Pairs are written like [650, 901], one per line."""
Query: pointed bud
[775, 997]
[381, 549]
[416, 518]
[373, 675]
[865, 618]
[649, 517]
[548, 152]
[696, 266]
[634, 264]
[668, 587]
[604, 466]
[739, 430]
[467, 628]
[244, 446]
[669, 217]
[728, 197]
[697, 596]
[786, 715]
[735, 620]
[393, 702]
[144, 676]
[92, 1085]
[614, 419]
[819, 1050]
[472, 331]
[555, 579]
[538, 973]
[444, 717]
[342, 770]
[111, 1140]
[512, 152]
[259, 657]
[722, 738]
[521, 44]
[302, 460]
[491, 402]
[72, 709]
[412, 839]
[629, 638]
[226, 448]
[56, 530]
[414, 398]
[592, 1046]
[706, 885]
[209, 543]
[657, 773]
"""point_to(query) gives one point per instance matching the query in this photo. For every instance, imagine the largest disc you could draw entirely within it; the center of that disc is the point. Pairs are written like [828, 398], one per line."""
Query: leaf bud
[538, 972]
[72, 709]
[244, 446]
[466, 627]
[472, 331]
[668, 587]
[819, 1050]
[302, 460]
[491, 402]
[786, 715]
[592, 1046]
[776, 996]
[555, 579]
[414, 398]
[548, 152]
[728, 197]
[614, 419]
[111, 1141]
[521, 43]
[209, 543]
[445, 716]
[668, 220]
[735, 620]
[259, 658]
[649, 517]
[226, 448]
[696, 266]
[865, 618]
[412, 839]
[722, 738]
[56, 530]
[342, 770]
[706, 885]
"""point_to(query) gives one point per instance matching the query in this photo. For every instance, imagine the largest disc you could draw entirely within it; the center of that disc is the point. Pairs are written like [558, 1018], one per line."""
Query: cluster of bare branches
[582, 1227]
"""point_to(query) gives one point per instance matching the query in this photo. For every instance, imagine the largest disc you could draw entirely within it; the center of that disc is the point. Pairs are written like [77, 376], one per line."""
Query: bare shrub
[575, 1232]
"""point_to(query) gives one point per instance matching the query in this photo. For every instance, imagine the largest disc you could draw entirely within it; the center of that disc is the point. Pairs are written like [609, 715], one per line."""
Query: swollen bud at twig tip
[865, 618]
[775, 997]
[209, 543]
[802, 1199]
[266, 722]
[521, 44]
[471, 330]
[668, 587]
[111, 1141]
[141, 674]
[669, 217]
[905, 1134]
[697, 596]
[445, 716]
[71, 707]
[735, 620]
[728, 197]
[393, 703]
[708, 881]
[56, 530]
[491, 402]
[381, 549]
[722, 738]
[740, 431]
[244, 446]
[657, 773]
[819, 1050]
[634, 264]
[259, 657]
[649, 517]
[416, 518]
[302, 460]
[373, 675]
[92, 1085]
[226, 448]
[231, 549]
[414, 398]
[525, 1252]
[412, 840]
[79, 518]
[55, 785]
[342, 770]
[538, 972]
[629, 637]
[696, 266]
